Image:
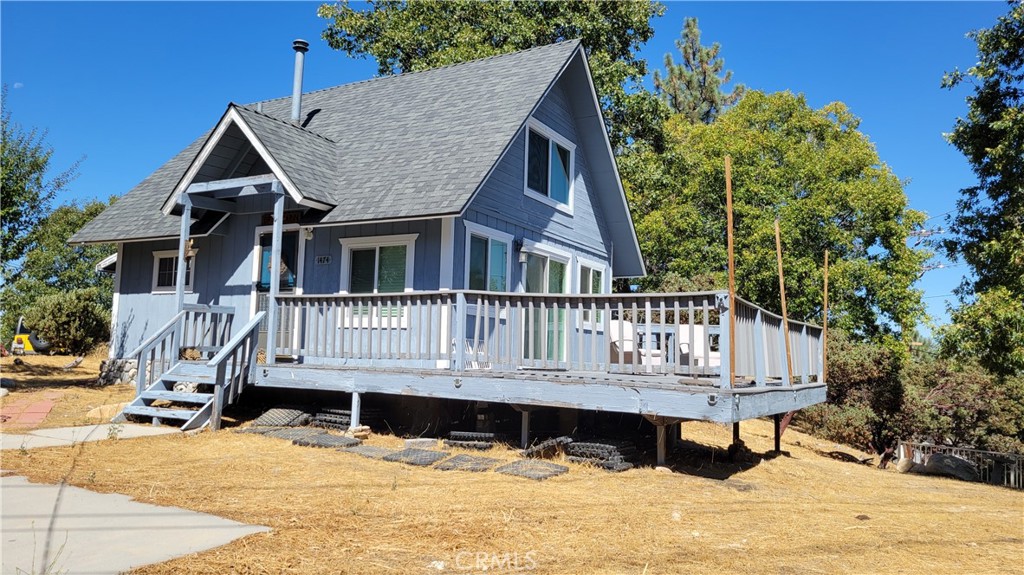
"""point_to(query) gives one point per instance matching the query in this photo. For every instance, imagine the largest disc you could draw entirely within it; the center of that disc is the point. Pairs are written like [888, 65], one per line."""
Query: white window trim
[605, 270]
[475, 229]
[553, 253]
[348, 244]
[161, 254]
[553, 136]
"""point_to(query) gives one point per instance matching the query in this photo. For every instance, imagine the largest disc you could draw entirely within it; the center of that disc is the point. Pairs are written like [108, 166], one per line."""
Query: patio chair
[622, 337]
[700, 345]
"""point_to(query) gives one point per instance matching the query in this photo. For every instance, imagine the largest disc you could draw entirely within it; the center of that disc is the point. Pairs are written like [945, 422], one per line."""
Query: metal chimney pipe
[300, 47]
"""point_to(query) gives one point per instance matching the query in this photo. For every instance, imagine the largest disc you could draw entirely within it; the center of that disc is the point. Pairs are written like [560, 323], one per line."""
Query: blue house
[449, 233]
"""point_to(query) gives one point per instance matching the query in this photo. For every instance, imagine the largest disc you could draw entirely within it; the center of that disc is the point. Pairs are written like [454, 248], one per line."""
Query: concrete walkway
[72, 435]
[64, 529]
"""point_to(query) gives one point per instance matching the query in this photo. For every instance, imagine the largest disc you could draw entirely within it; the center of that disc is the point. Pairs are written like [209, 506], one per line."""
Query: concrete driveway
[65, 529]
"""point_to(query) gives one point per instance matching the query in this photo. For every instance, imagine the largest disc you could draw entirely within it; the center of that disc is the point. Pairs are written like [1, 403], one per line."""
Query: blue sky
[128, 85]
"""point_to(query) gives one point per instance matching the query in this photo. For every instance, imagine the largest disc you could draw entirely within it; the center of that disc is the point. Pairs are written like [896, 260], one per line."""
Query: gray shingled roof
[416, 144]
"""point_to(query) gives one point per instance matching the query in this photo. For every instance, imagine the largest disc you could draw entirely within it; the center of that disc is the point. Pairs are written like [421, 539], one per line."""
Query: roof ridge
[285, 122]
[416, 72]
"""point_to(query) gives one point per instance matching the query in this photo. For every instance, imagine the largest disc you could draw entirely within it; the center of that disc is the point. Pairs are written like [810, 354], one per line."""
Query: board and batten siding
[501, 203]
[224, 271]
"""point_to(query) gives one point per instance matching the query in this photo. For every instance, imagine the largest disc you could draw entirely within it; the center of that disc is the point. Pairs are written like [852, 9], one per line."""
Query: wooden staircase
[219, 377]
[192, 409]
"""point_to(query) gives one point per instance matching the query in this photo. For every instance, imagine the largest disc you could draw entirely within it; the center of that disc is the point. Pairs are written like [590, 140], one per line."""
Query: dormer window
[549, 166]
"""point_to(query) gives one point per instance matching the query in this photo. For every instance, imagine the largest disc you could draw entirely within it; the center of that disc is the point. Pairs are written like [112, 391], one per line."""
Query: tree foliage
[51, 266]
[988, 227]
[813, 171]
[693, 87]
[990, 331]
[27, 187]
[405, 36]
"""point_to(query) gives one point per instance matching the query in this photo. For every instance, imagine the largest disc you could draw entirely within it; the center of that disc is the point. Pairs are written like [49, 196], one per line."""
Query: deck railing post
[724, 312]
[787, 378]
[760, 375]
[459, 332]
[805, 356]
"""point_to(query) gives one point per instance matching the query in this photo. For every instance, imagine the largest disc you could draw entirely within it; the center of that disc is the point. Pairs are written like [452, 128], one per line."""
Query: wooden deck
[654, 396]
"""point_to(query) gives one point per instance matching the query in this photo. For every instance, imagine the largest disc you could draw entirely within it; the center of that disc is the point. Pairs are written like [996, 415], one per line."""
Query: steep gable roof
[398, 147]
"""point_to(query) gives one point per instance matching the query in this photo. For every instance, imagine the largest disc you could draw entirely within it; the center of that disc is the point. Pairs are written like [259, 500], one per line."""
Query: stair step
[159, 412]
[178, 396]
[189, 377]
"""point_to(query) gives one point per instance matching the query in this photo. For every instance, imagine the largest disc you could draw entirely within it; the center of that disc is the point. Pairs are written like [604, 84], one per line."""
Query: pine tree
[693, 87]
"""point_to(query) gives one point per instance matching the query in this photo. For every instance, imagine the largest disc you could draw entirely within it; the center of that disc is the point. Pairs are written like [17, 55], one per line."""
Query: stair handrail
[248, 333]
[169, 329]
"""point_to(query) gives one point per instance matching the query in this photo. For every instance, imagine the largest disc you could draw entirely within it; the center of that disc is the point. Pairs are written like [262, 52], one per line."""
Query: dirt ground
[334, 512]
[40, 375]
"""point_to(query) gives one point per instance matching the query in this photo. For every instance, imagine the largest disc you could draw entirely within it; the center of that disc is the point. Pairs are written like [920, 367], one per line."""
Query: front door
[544, 338]
[290, 280]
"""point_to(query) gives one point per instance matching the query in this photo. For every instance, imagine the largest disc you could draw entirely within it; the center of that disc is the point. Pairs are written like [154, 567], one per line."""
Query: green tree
[693, 87]
[52, 266]
[405, 36]
[990, 331]
[27, 187]
[816, 173]
[988, 228]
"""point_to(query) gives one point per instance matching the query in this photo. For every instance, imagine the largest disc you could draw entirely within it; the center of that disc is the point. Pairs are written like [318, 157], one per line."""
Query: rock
[950, 466]
[115, 371]
[106, 412]
[421, 442]
[3, 392]
[907, 465]
[7, 383]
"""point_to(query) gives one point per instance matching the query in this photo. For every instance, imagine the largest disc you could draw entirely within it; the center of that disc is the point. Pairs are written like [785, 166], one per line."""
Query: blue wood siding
[224, 269]
[502, 204]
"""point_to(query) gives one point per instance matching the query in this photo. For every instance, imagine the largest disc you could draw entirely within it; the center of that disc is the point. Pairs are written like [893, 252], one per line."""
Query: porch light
[517, 245]
[309, 233]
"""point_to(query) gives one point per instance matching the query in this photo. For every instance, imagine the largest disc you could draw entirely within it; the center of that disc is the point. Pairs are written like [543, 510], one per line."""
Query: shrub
[846, 424]
[73, 322]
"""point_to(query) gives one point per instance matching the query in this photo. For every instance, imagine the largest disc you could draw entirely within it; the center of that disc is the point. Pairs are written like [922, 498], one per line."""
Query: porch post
[275, 272]
[524, 436]
[356, 408]
[661, 443]
[186, 224]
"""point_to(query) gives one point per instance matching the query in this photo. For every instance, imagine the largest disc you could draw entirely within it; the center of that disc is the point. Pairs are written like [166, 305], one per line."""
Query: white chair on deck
[703, 356]
[622, 337]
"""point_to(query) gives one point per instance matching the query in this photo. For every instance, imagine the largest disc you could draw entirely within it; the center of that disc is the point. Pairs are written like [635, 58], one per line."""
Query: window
[165, 271]
[487, 258]
[591, 282]
[549, 166]
[381, 264]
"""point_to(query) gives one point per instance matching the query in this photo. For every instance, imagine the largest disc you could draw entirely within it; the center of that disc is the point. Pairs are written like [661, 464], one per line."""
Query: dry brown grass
[335, 512]
[42, 375]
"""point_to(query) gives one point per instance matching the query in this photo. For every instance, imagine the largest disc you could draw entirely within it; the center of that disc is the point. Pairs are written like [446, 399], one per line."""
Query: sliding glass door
[544, 335]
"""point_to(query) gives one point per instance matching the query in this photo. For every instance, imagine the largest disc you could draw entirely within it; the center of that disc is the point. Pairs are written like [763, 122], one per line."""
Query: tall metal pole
[732, 271]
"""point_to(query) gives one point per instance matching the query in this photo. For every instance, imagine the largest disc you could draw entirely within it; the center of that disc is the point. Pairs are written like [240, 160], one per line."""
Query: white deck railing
[682, 334]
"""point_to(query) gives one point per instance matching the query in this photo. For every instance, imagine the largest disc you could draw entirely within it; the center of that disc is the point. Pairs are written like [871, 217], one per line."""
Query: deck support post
[179, 280]
[662, 426]
[275, 272]
[777, 423]
[524, 438]
[661, 444]
[736, 433]
[356, 404]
